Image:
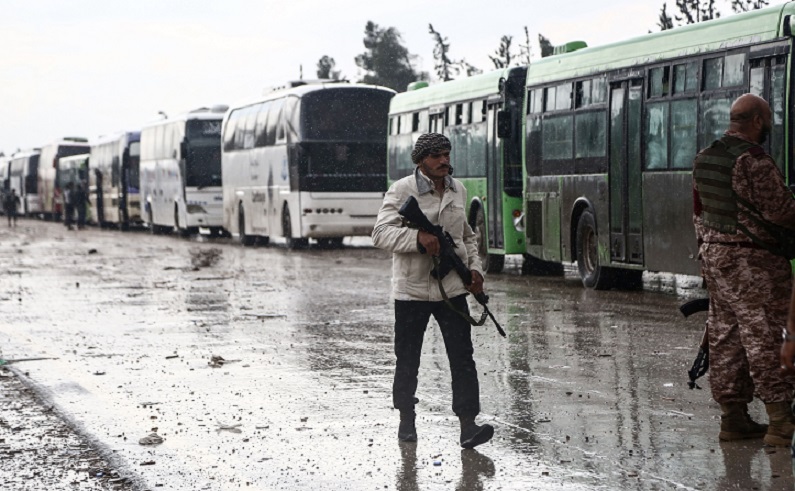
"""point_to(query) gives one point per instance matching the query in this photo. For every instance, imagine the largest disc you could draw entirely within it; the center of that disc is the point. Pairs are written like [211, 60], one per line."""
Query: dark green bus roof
[475, 87]
[737, 30]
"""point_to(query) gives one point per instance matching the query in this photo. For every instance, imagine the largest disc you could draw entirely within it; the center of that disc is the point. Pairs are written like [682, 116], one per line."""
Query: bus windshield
[348, 114]
[133, 168]
[203, 159]
[203, 165]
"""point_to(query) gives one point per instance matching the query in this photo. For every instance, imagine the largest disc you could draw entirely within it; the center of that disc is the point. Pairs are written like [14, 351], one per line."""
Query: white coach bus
[181, 173]
[23, 175]
[114, 180]
[306, 162]
[49, 194]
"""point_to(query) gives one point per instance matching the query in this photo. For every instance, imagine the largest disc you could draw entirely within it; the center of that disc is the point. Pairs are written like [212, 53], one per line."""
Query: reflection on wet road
[588, 391]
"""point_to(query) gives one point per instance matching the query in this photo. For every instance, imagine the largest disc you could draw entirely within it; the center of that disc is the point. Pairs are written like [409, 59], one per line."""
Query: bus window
[323, 110]
[599, 90]
[415, 122]
[563, 97]
[686, 77]
[260, 128]
[714, 118]
[590, 134]
[658, 81]
[583, 91]
[713, 73]
[684, 114]
[229, 130]
[274, 118]
[549, 99]
[251, 122]
[557, 138]
[734, 70]
[657, 136]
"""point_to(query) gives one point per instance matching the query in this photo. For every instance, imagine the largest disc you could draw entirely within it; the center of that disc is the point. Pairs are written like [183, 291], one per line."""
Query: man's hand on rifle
[429, 242]
[476, 287]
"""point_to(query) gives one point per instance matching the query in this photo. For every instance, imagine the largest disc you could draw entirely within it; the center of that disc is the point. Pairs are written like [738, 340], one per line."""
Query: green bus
[474, 113]
[610, 134]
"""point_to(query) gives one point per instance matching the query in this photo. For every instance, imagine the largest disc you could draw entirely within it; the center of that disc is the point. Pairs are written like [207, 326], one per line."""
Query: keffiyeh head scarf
[427, 144]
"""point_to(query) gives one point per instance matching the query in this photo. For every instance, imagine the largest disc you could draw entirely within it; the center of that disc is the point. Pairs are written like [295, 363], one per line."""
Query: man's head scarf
[427, 144]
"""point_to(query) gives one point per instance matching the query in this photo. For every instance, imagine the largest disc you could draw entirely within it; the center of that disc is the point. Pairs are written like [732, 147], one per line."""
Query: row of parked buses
[304, 162]
[581, 157]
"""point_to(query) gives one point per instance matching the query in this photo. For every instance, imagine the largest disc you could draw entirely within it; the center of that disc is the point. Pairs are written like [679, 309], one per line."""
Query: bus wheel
[534, 266]
[492, 263]
[330, 243]
[287, 230]
[593, 274]
[183, 232]
[154, 229]
[245, 240]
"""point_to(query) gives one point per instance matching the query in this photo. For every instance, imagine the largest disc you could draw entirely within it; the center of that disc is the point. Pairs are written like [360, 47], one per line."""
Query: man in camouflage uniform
[736, 187]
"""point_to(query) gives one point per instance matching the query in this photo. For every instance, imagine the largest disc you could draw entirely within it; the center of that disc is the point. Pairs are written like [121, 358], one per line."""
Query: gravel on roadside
[40, 451]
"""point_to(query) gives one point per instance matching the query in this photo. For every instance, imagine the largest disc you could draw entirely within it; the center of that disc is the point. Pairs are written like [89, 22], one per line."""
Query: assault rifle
[448, 259]
[701, 363]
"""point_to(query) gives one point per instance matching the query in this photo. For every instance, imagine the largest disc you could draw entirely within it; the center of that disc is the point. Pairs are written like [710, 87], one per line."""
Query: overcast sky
[92, 67]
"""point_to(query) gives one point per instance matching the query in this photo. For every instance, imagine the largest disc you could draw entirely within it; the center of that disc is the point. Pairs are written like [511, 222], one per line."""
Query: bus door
[768, 81]
[494, 179]
[624, 177]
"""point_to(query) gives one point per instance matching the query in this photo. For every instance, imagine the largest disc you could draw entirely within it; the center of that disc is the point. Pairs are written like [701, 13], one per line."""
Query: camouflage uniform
[749, 289]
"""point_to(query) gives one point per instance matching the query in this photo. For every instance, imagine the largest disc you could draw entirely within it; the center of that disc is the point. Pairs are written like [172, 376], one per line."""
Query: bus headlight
[196, 209]
[518, 220]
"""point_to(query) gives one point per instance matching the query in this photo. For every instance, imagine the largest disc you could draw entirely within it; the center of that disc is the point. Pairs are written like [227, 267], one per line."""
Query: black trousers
[411, 320]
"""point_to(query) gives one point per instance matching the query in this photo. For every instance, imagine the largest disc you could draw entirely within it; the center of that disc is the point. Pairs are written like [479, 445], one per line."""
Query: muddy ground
[269, 369]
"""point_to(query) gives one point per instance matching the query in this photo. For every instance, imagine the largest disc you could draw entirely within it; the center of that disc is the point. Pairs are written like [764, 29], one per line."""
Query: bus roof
[203, 113]
[302, 90]
[736, 30]
[129, 136]
[474, 87]
[25, 154]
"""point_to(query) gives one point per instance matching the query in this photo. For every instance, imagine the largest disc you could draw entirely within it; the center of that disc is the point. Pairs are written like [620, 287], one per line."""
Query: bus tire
[533, 266]
[330, 243]
[287, 230]
[153, 228]
[183, 232]
[491, 263]
[245, 240]
[592, 274]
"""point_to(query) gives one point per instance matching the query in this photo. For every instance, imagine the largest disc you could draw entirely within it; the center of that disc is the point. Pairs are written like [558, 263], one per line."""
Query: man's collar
[425, 185]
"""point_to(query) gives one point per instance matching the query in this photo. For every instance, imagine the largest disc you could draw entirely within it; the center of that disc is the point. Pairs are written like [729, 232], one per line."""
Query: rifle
[448, 260]
[701, 363]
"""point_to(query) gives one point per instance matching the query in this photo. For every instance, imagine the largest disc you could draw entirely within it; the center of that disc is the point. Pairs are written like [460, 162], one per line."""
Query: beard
[763, 134]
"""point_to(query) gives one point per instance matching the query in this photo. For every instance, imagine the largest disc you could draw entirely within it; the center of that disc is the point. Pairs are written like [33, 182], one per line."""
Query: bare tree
[444, 65]
[545, 45]
[325, 68]
[739, 6]
[524, 49]
[665, 22]
[502, 56]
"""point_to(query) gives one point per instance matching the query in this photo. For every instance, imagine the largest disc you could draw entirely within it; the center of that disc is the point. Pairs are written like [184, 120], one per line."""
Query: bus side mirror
[183, 149]
[503, 124]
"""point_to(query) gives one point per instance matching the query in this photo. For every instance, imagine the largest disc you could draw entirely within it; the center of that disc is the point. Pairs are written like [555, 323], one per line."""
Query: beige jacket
[411, 270]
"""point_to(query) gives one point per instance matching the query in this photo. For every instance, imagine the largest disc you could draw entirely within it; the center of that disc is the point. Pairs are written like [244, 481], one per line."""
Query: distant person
[81, 205]
[11, 205]
[417, 295]
[69, 205]
[738, 193]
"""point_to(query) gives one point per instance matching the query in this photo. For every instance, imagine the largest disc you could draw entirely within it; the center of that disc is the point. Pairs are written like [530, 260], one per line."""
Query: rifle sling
[452, 307]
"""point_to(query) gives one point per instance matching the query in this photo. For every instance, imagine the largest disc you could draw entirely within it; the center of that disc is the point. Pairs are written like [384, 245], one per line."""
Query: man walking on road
[11, 205]
[738, 193]
[417, 294]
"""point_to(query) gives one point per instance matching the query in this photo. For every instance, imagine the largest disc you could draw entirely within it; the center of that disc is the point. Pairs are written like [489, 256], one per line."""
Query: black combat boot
[407, 432]
[473, 434]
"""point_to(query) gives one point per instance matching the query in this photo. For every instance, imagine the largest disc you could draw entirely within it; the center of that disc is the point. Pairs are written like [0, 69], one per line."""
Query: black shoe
[407, 432]
[473, 434]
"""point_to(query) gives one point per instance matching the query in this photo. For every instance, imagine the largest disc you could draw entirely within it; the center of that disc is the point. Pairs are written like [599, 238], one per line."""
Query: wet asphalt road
[270, 369]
